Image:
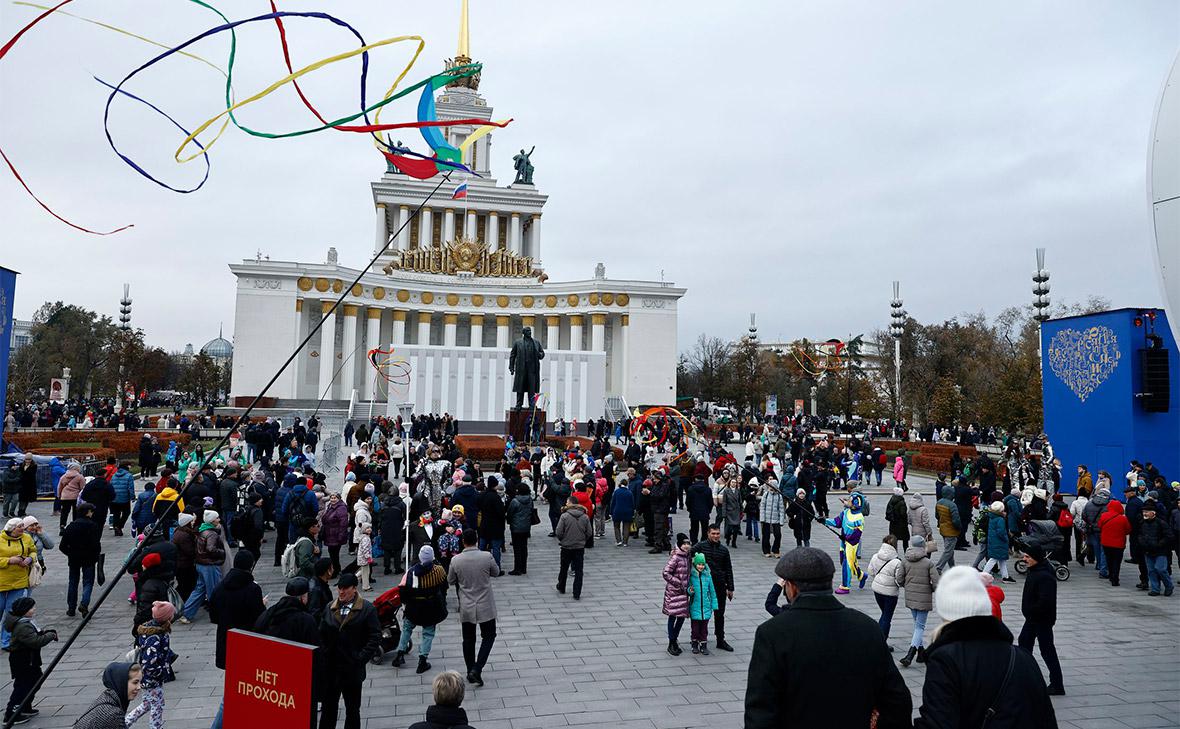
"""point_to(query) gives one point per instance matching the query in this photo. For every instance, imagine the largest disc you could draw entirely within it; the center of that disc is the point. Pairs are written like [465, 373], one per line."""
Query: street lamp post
[1040, 296]
[124, 329]
[896, 330]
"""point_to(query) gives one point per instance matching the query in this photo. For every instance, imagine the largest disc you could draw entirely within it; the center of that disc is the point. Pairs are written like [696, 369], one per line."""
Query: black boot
[921, 655]
[423, 665]
[909, 657]
[399, 659]
[674, 648]
[696, 646]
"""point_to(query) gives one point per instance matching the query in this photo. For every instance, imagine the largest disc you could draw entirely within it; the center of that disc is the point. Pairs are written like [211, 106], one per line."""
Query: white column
[372, 340]
[347, 347]
[477, 330]
[493, 241]
[425, 229]
[296, 368]
[450, 329]
[403, 238]
[621, 355]
[381, 230]
[553, 333]
[398, 336]
[327, 354]
[448, 225]
[471, 227]
[502, 331]
[423, 328]
[514, 235]
[534, 246]
[576, 332]
[598, 332]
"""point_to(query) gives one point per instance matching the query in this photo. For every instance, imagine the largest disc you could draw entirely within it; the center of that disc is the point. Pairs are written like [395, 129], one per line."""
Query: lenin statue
[525, 365]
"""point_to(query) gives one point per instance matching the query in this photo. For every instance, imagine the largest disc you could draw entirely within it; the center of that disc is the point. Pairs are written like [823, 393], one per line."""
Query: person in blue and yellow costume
[851, 524]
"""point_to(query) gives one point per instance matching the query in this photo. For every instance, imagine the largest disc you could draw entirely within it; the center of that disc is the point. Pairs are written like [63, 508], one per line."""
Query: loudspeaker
[1156, 386]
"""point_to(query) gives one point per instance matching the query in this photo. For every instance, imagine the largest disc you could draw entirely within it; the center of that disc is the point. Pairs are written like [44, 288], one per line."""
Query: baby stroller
[388, 605]
[1044, 534]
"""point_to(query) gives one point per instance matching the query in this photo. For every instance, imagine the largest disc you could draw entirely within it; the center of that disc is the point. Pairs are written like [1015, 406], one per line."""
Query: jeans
[1043, 634]
[768, 531]
[520, 553]
[992, 562]
[1157, 572]
[571, 558]
[752, 528]
[487, 638]
[330, 707]
[427, 638]
[948, 553]
[622, 531]
[887, 603]
[494, 545]
[11, 504]
[208, 575]
[919, 626]
[87, 574]
[6, 599]
[1094, 542]
[674, 626]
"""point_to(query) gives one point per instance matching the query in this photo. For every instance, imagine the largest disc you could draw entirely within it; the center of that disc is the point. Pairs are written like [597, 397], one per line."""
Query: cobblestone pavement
[601, 662]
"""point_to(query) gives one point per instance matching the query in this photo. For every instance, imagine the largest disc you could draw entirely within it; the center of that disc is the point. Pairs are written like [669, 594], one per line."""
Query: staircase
[616, 408]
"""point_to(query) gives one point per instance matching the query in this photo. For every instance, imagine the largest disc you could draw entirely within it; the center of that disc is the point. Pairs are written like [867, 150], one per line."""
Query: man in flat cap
[819, 663]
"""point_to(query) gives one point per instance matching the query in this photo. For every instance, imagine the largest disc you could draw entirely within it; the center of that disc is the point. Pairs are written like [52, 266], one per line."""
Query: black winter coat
[81, 542]
[699, 500]
[350, 642]
[717, 557]
[1039, 601]
[793, 680]
[1156, 537]
[392, 520]
[492, 515]
[443, 717]
[236, 603]
[965, 669]
[289, 620]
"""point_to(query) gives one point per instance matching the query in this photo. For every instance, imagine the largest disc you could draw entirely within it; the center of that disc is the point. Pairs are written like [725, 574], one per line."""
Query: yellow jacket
[15, 576]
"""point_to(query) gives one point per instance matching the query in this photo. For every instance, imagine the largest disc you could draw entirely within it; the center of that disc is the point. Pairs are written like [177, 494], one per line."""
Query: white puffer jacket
[883, 570]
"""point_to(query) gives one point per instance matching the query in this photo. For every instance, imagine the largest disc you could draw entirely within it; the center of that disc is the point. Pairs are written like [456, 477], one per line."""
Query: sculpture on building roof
[524, 168]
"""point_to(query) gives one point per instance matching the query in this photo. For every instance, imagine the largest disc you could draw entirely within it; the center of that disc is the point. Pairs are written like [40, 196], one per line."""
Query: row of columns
[350, 312]
[390, 218]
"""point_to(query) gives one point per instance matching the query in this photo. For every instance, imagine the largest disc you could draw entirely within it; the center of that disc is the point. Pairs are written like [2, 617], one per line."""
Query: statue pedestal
[517, 423]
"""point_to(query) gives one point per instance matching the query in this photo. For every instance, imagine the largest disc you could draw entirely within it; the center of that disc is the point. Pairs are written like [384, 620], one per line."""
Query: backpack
[298, 508]
[882, 459]
[243, 521]
[1065, 519]
[290, 564]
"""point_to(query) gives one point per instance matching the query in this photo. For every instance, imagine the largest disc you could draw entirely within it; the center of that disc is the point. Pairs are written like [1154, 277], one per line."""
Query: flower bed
[98, 453]
[122, 444]
[480, 447]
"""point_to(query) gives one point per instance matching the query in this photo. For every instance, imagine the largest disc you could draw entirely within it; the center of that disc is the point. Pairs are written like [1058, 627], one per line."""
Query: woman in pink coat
[69, 486]
[899, 469]
[334, 528]
[676, 574]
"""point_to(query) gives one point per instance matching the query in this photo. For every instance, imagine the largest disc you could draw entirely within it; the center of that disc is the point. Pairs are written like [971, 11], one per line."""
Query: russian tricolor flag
[460, 191]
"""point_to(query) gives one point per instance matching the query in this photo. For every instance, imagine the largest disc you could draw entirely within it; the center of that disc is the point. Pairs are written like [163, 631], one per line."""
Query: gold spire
[464, 35]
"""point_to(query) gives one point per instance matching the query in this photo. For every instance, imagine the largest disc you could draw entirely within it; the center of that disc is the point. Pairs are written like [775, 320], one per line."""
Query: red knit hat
[152, 559]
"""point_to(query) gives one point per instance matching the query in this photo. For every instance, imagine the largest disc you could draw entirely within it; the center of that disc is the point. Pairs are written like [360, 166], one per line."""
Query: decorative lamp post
[1040, 296]
[124, 329]
[814, 397]
[896, 330]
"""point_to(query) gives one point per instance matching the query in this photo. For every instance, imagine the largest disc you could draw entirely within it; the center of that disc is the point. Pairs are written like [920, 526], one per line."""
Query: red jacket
[584, 499]
[996, 595]
[1114, 526]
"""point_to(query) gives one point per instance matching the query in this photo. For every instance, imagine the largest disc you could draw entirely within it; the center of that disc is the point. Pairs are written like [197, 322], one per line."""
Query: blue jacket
[699, 500]
[124, 484]
[142, 515]
[1013, 507]
[622, 505]
[281, 495]
[702, 597]
[311, 503]
[997, 538]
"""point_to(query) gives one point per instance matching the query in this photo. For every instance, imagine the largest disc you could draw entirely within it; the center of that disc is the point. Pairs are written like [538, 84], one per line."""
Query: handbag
[175, 599]
[36, 575]
[535, 518]
[102, 577]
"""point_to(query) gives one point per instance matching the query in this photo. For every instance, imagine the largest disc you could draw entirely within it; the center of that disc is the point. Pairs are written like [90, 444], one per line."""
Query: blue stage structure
[1111, 389]
[7, 295]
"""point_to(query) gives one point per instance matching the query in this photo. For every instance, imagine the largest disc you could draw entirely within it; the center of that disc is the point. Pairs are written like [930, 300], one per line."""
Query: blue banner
[7, 295]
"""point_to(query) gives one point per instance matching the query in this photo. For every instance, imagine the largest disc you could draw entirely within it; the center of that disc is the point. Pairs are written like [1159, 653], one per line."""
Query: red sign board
[267, 682]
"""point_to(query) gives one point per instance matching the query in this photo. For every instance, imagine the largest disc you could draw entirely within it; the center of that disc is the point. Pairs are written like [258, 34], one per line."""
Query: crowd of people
[411, 506]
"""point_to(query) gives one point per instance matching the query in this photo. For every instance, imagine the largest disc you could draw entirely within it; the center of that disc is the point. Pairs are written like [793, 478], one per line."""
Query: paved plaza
[601, 662]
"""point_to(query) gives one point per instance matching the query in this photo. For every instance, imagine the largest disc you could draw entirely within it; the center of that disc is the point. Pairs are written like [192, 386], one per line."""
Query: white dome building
[220, 349]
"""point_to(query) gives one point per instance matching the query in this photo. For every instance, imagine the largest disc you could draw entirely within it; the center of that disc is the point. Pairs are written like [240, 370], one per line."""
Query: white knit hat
[997, 507]
[897, 491]
[210, 515]
[961, 594]
[185, 519]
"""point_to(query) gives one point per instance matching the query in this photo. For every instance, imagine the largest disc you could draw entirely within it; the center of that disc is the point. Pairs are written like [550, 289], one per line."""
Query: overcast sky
[784, 158]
